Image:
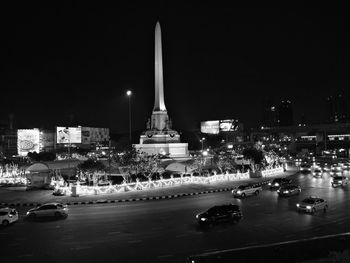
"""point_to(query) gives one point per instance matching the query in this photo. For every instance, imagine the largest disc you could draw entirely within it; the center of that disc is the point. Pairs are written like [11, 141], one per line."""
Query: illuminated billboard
[228, 125]
[211, 127]
[68, 134]
[28, 140]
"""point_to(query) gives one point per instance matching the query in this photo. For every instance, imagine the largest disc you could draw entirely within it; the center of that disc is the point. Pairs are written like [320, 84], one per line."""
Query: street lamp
[129, 93]
[202, 141]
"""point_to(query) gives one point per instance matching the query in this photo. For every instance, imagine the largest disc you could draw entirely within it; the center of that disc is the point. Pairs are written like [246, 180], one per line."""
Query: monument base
[172, 149]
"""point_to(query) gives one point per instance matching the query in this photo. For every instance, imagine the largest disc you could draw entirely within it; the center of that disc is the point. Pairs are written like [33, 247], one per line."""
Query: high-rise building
[285, 113]
[337, 108]
[269, 113]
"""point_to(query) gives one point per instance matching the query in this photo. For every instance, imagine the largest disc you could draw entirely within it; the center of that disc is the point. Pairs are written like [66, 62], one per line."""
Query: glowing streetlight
[202, 141]
[129, 93]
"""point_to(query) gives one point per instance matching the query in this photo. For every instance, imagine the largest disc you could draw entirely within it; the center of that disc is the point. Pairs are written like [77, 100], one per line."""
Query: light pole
[129, 93]
[202, 141]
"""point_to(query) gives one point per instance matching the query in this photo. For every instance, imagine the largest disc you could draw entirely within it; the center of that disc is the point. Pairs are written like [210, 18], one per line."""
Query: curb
[108, 201]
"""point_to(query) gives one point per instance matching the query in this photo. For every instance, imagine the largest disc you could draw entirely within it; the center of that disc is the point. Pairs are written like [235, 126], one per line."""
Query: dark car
[305, 168]
[288, 190]
[278, 182]
[221, 213]
[339, 181]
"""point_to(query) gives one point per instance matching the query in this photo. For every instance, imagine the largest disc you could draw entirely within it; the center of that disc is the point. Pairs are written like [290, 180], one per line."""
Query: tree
[224, 161]
[133, 162]
[90, 167]
[254, 155]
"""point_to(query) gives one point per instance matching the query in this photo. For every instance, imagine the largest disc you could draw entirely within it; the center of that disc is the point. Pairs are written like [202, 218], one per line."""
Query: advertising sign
[210, 127]
[228, 125]
[69, 135]
[28, 141]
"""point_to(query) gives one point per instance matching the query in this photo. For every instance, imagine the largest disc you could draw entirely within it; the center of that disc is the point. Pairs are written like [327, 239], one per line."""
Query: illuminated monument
[159, 136]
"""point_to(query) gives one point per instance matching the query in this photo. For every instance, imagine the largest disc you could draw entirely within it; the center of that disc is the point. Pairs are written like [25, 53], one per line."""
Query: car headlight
[277, 184]
[308, 207]
[28, 213]
[203, 219]
[286, 192]
[298, 205]
[269, 183]
[197, 216]
[239, 192]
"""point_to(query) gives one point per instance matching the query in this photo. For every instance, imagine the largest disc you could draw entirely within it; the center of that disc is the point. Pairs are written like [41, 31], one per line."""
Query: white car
[317, 172]
[312, 204]
[339, 181]
[8, 216]
[246, 189]
[50, 209]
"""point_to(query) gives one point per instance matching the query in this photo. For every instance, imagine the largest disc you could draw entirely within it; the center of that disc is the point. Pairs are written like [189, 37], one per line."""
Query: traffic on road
[197, 223]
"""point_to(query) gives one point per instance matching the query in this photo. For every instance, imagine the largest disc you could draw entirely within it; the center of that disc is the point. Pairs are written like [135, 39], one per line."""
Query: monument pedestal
[172, 149]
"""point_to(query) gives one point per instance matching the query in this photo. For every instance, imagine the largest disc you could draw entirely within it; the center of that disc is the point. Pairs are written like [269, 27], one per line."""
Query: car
[346, 166]
[59, 192]
[312, 204]
[246, 189]
[326, 167]
[288, 190]
[305, 167]
[336, 171]
[219, 213]
[49, 209]
[339, 181]
[317, 172]
[8, 216]
[278, 182]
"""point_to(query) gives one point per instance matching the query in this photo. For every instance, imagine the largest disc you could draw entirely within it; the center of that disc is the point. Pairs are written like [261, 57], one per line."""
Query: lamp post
[202, 141]
[129, 93]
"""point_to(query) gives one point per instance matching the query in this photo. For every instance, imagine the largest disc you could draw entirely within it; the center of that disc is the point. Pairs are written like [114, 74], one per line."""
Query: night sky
[218, 63]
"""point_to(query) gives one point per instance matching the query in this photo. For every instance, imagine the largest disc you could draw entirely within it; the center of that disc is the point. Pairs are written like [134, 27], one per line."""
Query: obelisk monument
[159, 138]
[159, 114]
[159, 104]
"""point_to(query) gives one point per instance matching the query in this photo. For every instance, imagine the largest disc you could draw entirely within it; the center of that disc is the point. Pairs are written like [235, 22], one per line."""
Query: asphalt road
[166, 231]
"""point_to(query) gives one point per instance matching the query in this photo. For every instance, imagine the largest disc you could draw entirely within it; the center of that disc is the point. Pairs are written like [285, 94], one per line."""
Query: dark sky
[218, 63]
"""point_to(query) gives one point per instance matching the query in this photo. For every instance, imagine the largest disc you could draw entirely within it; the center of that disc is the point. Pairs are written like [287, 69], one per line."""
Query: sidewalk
[17, 197]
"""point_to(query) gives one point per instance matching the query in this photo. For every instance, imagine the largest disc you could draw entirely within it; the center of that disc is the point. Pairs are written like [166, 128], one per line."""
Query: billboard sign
[210, 127]
[68, 135]
[28, 140]
[228, 125]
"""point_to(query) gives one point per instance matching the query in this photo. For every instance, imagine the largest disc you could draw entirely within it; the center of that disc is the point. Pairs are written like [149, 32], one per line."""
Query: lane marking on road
[165, 256]
[210, 250]
[252, 243]
[135, 241]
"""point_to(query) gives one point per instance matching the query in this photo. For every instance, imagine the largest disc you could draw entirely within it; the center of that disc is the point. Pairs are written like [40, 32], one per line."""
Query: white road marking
[211, 249]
